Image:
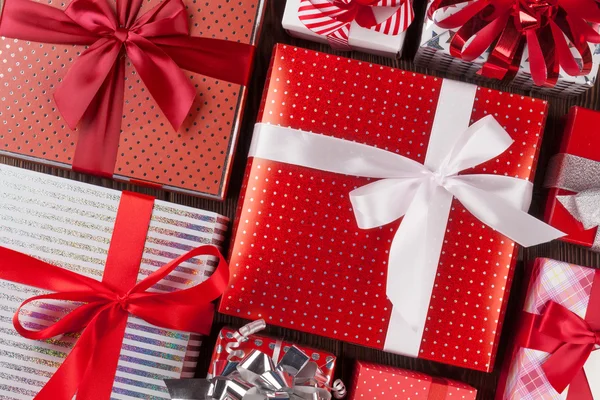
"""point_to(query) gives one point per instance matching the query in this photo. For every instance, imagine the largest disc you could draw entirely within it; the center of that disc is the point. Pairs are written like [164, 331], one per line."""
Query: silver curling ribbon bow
[258, 377]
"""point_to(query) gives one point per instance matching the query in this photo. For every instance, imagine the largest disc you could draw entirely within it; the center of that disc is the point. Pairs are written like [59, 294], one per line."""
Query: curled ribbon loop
[333, 18]
[551, 29]
[256, 376]
[158, 45]
[577, 341]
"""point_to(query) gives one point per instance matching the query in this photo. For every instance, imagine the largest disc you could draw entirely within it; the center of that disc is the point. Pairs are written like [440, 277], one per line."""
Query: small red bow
[332, 18]
[159, 46]
[578, 341]
[507, 25]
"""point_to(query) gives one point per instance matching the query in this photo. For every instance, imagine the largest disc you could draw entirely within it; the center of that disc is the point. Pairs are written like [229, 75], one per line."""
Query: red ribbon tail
[100, 129]
[565, 363]
[107, 334]
[66, 381]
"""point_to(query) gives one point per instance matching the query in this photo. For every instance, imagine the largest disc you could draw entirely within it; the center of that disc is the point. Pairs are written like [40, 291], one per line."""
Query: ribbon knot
[123, 301]
[122, 34]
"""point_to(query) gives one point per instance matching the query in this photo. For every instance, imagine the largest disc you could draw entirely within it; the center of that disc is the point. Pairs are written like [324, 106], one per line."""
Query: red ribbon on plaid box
[568, 338]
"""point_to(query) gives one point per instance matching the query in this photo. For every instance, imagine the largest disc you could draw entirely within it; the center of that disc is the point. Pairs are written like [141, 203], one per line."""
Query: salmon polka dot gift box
[142, 92]
[379, 382]
[381, 207]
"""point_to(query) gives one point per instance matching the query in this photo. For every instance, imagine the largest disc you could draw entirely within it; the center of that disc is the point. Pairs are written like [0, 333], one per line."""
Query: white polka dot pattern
[298, 258]
[378, 382]
[196, 159]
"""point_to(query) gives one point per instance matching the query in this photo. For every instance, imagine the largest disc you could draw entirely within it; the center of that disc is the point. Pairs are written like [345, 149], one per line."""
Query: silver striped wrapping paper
[70, 224]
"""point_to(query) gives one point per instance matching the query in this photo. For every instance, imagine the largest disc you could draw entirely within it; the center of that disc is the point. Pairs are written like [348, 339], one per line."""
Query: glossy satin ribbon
[438, 389]
[420, 194]
[333, 18]
[568, 338]
[157, 43]
[549, 28]
[90, 367]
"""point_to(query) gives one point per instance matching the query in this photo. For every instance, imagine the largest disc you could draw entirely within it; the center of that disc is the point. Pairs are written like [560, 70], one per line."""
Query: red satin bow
[90, 367]
[577, 341]
[507, 25]
[157, 43]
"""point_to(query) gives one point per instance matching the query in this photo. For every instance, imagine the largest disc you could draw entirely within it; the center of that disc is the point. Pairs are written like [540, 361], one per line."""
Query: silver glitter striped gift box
[70, 224]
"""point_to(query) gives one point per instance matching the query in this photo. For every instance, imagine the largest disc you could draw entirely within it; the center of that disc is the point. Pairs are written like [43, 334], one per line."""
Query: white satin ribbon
[422, 194]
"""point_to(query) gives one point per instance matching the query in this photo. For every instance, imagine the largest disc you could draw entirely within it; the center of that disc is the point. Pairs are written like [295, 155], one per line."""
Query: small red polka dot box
[573, 178]
[140, 91]
[231, 345]
[342, 231]
[552, 355]
[379, 382]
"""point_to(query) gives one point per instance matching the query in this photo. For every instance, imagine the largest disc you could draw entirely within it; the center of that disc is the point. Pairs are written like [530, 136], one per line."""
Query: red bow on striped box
[333, 18]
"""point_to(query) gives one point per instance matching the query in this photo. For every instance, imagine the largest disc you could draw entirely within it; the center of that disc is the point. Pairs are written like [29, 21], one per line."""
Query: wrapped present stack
[551, 47]
[379, 207]
[167, 115]
[318, 234]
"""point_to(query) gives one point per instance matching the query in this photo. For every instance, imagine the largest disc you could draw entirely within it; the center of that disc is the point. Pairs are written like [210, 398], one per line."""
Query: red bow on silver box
[551, 29]
[333, 18]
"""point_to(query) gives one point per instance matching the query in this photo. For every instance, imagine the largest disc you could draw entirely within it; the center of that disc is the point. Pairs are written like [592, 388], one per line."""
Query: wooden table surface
[272, 33]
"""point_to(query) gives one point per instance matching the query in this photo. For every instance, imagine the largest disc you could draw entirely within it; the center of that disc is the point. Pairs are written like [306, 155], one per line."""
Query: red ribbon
[577, 341]
[569, 339]
[157, 43]
[507, 25]
[90, 367]
[438, 389]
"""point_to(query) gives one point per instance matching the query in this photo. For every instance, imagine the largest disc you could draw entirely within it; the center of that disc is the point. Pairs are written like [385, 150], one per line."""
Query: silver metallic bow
[582, 176]
[256, 377]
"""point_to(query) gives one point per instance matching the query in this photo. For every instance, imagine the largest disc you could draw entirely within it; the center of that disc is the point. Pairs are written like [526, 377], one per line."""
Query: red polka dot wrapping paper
[379, 382]
[581, 140]
[325, 361]
[298, 258]
[195, 160]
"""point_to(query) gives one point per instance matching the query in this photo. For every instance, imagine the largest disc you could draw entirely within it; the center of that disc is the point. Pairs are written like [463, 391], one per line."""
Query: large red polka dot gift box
[147, 92]
[552, 352]
[379, 382]
[382, 207]
[573, 179]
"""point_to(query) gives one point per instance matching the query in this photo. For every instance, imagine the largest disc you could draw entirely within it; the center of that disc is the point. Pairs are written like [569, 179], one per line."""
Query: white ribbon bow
[422, 194]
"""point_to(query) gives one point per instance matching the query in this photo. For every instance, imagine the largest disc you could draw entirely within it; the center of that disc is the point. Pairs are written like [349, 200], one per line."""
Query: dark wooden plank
[273, 33]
